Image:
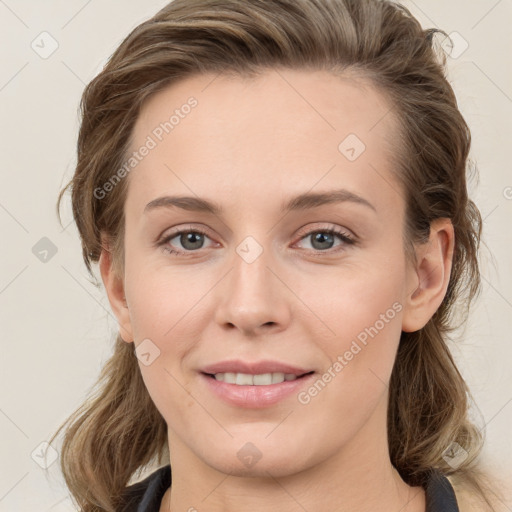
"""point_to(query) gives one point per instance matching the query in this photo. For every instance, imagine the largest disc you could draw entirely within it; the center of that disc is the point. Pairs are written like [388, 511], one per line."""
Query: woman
[275, 193]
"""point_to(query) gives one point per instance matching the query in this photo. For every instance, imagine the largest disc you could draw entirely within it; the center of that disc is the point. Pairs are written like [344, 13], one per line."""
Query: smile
[248, 391]
[262, 379]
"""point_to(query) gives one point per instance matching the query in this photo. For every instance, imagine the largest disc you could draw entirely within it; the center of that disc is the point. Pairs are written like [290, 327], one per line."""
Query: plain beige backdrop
[56, 327]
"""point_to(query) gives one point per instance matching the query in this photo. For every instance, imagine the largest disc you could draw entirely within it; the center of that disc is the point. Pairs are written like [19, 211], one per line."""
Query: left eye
[323, 239]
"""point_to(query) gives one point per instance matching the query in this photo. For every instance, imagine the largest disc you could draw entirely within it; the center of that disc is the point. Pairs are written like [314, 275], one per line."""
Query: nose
[253, 296]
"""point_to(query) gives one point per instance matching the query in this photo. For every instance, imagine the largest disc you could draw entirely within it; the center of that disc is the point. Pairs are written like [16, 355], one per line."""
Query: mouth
[261, 379]
[255, 390]
[254, 384]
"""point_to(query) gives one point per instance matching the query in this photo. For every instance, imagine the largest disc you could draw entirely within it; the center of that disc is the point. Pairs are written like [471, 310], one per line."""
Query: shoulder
[468, 501]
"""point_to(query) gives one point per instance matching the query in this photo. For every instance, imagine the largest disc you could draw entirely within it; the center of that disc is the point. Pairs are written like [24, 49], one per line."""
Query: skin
[249, 145]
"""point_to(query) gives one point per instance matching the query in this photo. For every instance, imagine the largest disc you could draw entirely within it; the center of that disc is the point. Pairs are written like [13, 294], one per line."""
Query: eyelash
[342, 235]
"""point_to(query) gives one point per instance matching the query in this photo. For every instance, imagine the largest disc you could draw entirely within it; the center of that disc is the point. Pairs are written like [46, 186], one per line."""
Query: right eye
[190, 239]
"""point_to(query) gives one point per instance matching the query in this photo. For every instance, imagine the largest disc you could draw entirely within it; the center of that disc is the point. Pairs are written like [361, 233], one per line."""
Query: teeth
[246, 379]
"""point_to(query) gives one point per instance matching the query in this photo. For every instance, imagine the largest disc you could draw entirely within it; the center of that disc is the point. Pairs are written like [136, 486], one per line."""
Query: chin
[276, 466]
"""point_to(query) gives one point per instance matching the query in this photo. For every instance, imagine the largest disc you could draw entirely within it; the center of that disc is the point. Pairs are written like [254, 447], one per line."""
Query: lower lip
[255, 397]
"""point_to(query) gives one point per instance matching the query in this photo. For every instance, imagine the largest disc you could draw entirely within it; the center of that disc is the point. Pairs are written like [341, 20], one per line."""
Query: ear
[115, 290]
[428, 281]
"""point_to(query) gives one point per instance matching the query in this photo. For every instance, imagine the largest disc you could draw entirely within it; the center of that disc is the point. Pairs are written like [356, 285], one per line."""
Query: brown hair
[119, 431]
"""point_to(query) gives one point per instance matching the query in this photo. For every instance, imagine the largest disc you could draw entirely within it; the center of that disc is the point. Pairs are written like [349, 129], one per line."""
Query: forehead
[211, 135]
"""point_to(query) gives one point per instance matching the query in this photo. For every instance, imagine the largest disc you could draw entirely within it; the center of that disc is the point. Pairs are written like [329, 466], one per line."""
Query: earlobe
[114, 287]
[428, 282]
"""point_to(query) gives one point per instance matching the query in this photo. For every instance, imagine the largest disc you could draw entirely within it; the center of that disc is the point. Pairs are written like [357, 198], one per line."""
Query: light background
[57, 329]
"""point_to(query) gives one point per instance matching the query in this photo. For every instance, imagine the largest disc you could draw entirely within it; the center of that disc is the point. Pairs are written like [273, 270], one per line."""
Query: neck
[397, 496]
[359, 477]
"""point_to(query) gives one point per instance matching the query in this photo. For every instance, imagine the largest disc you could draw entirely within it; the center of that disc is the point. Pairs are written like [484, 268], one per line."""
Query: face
[301, 263]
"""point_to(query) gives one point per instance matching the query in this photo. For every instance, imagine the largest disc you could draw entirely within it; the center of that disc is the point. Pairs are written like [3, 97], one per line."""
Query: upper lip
[253, 368]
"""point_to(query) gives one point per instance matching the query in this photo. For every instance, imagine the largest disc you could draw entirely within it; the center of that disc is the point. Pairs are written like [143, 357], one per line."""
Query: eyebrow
[303, 201]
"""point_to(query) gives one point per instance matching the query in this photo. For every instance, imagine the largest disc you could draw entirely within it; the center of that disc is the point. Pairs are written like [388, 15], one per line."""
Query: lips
[254, 368]
[259, 395]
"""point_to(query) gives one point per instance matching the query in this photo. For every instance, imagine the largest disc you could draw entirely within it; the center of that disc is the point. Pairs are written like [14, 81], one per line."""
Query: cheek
[355, 296]
[366, 351]
[362, 315]
[360, 357]
[164, 299]
[167, 307]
